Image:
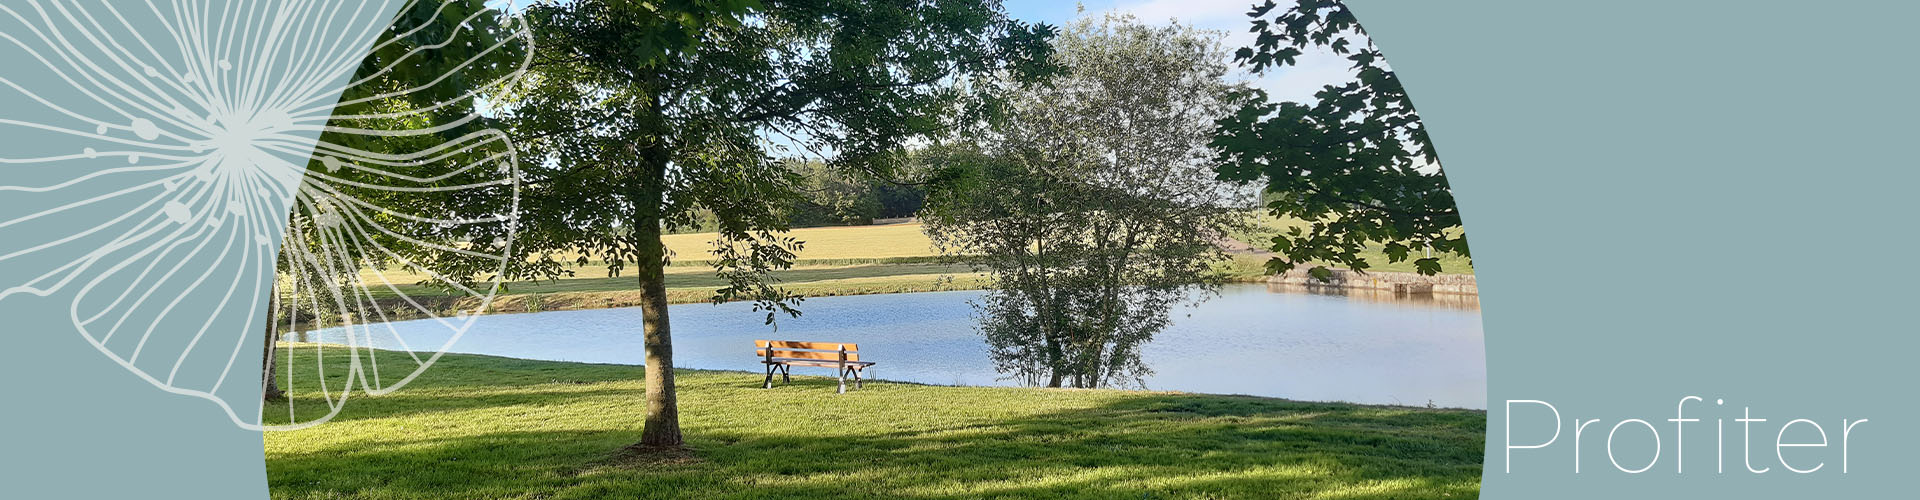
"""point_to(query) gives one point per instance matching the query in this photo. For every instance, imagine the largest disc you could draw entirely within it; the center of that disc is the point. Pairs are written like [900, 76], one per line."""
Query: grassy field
[853, 260]
[842, 242]
[486, 427]
[834, 261]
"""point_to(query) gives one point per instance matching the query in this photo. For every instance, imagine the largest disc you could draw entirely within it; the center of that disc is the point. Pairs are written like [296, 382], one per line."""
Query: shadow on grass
[558, 440]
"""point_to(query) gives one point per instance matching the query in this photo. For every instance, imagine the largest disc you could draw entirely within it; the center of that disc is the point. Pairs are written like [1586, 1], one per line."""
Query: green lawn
[486, 427]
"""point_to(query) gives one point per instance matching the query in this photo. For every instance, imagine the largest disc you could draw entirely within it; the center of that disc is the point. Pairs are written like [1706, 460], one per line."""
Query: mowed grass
[485, 427]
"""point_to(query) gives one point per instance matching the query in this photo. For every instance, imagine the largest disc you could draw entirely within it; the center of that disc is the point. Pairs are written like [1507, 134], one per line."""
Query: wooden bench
[782, 355]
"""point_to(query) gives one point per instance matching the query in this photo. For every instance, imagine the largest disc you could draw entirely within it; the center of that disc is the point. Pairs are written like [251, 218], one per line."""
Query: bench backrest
[825, 351]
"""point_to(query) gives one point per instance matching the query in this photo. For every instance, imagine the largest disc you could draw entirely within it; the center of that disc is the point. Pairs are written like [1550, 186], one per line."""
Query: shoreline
[754, 375]
[1453, 290]
[612, 299]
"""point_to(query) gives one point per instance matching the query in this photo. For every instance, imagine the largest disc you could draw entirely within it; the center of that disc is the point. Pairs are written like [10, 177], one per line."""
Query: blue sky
[1296, 83]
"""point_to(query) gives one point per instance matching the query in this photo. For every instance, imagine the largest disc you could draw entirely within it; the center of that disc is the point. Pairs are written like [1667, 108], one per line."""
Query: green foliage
[834, 196]
[1357, 165]
[633, 128]
[488, 427]
[1261, 235]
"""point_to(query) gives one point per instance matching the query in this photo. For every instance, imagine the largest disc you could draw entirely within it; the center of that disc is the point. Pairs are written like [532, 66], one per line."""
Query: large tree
[1094, 206]
[641, 117]
[1356, 164]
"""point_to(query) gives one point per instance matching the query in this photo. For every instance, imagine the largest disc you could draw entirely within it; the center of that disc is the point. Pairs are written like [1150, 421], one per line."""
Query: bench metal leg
[786, 373]
[856, 379]
[768, 384]
[843, 381]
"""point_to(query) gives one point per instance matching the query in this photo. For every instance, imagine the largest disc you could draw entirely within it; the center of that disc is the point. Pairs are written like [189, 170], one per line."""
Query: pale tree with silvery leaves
[1094, 205]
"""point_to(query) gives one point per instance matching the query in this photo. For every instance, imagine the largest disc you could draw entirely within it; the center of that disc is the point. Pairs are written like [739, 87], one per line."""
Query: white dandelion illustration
[155, 152]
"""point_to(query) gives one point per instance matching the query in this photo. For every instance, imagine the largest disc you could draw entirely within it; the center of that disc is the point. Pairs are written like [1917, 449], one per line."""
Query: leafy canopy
[1357, 164]
[685, 112]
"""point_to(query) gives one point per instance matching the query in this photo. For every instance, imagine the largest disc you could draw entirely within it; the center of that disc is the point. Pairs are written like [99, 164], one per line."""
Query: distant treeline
[833, 197]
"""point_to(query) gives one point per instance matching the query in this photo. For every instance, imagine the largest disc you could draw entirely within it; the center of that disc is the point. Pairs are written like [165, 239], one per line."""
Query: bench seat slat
[828, 356]
[792, 344]
[829, 351]
[815, 362]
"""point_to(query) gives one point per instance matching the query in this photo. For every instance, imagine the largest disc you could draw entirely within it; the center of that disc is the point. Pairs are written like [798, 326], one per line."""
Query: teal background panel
[74, 423]
[1668, 199]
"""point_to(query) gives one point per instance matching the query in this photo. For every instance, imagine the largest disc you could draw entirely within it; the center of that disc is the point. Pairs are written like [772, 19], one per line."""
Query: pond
[1262, 340]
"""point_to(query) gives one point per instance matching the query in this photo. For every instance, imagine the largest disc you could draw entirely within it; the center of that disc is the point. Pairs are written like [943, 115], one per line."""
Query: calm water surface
[1252, 339]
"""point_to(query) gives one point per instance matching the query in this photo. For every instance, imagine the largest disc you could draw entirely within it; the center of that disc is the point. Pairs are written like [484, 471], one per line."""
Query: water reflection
[1095, 340]
[1252, 339]
[1062, 337]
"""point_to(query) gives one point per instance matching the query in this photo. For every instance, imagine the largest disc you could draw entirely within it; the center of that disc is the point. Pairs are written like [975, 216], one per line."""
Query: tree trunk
[663, 409]
[269, 364]
[1053, 368]
[1050, 320]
